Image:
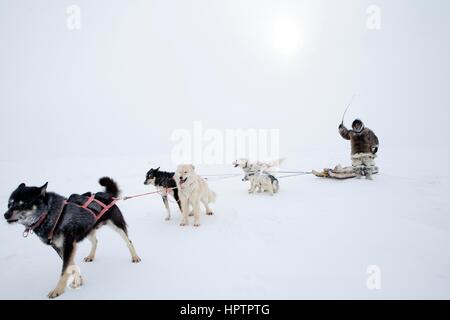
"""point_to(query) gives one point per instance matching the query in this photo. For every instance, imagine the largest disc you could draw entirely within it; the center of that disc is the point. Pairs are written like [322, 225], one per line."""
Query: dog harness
[91, 205]
[92, 210]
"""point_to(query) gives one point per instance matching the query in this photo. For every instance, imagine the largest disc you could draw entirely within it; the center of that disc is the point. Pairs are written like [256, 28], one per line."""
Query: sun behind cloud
[285, 36]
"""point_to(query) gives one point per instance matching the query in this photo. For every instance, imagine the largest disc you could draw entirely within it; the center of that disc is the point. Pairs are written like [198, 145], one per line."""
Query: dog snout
[8, 215]
[183, 179]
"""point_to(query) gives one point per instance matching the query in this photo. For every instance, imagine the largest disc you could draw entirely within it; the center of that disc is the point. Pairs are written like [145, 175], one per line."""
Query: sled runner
[343, 173]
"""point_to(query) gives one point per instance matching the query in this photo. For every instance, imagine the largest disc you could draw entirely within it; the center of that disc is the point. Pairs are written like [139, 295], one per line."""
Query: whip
[346, 109]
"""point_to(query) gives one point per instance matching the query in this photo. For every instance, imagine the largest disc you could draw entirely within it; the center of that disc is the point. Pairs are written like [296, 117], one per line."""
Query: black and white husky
[258, 173]
[62, 224]
[263, 182]
[166, 184]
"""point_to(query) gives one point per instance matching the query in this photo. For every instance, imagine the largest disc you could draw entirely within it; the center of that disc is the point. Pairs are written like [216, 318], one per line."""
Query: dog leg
[252, 187]
[177, 198]
[166, 203]
[191, 211]
[275, 186]
[184, 212]
[196, 208]
[77, 279]
[93, 239]
[207, 208]
[68, 260]
[134, 257]
[271, 189]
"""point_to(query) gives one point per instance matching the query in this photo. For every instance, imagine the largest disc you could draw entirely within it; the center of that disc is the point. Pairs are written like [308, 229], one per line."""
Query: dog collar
[30, 228]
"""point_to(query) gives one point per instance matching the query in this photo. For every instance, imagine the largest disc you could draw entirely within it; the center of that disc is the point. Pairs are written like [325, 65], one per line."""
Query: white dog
[263, 181]
[192, 190]
[250, 168]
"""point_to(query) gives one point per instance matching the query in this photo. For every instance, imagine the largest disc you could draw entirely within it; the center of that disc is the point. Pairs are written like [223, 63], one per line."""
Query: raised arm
[344, 132]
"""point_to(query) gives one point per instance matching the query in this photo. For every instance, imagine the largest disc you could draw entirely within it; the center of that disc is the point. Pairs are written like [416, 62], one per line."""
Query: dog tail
[110, 185]
[278, 162]
[211, 196]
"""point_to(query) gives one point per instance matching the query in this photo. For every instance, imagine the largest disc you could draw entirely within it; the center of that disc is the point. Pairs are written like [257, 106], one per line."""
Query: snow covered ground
[315, 239]
[94, 88]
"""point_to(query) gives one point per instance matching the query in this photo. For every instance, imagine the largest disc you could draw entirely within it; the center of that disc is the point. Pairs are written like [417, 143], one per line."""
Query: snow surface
[76, 105]
[315, 239]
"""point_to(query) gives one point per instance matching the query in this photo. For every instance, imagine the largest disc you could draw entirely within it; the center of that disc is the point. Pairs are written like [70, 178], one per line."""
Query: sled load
[343, 173]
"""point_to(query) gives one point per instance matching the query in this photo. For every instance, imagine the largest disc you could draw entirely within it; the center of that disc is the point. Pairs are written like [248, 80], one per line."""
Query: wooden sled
[340, 173]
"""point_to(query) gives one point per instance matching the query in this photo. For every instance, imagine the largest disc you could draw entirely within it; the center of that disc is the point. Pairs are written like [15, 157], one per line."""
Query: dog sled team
[64, 222]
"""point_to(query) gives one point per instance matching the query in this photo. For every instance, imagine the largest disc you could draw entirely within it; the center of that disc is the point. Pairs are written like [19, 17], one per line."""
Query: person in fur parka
[364, 147]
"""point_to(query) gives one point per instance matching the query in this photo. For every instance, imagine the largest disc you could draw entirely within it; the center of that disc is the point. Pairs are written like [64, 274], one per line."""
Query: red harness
[91, 199]
[84, 206]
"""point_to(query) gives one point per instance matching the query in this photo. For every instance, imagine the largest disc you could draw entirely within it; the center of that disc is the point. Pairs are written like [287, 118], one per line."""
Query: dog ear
[43, 189]
[157, 169]
[193, 167]
[21, 185]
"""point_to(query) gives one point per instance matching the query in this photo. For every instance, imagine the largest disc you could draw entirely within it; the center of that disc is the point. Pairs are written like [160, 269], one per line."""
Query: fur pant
[364, 164]
[363, 159]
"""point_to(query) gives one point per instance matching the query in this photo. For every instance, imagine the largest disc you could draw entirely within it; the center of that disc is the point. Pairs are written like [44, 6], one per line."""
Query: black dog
[166, 184]
[63, 223]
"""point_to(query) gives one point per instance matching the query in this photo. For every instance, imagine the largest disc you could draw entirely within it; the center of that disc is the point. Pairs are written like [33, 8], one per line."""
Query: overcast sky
[137, 70]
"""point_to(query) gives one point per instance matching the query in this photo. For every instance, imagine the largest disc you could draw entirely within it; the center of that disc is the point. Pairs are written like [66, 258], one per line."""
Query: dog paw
[167, 219]
[77, 282]
[209, 213]
[135, 259]
[197, 225]
[191, 214]
[55, 293]
[183, 223]
[89, 259]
